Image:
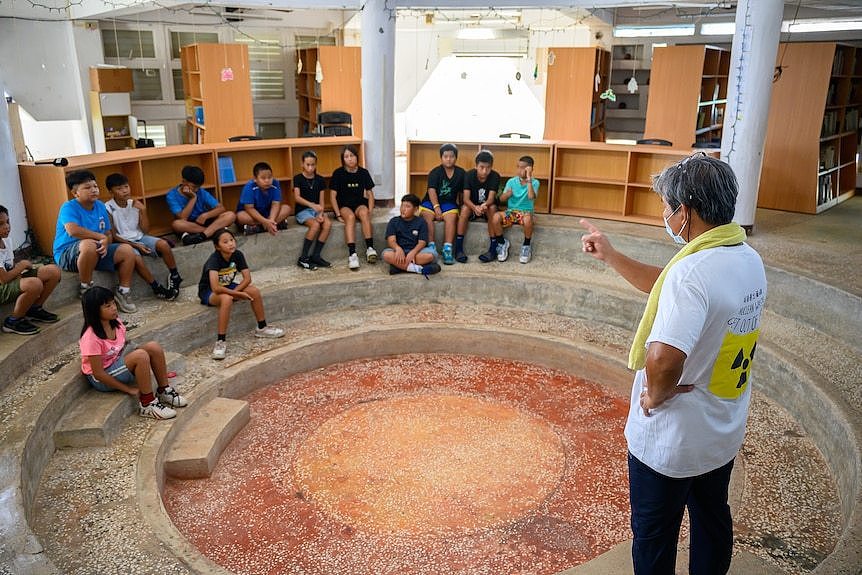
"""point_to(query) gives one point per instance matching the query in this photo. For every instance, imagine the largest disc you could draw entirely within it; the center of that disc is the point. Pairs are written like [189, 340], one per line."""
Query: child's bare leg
[223, 302]
[222, 220]
[424, 258]
[450, 220]
[464, 220]
[389, 258]
[284, 212]
[313, 228]
[158, 363]
[364, 217]
[31, 289]
[324, 229]
[138, 362]
[164, 250]
[244, 219]
[256, 302]
[49, 276]
[429, 221]
[528, 225]
[349, 225]
[143, 270]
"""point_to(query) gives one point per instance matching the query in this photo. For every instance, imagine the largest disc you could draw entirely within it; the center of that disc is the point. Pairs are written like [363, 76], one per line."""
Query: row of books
[830, 123]
[824, 189]
[828, 157]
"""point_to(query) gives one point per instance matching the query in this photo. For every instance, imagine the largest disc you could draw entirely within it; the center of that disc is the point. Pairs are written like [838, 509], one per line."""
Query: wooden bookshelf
[625, 118]
[688, 95]
[340, 91]
[573, 109]
[812, 138]
[217, 81]
[153, 171]
[422, 156]
[610, 181]
[110, 107]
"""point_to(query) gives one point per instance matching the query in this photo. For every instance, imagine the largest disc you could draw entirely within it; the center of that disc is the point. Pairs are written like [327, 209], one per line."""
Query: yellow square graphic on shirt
[732, 369]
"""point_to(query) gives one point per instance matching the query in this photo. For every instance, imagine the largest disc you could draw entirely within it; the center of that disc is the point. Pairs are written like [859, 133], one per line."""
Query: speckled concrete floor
[789, 513]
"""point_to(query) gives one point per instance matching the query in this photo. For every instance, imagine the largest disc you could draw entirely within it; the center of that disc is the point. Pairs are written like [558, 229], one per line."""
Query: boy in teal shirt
[520, 194]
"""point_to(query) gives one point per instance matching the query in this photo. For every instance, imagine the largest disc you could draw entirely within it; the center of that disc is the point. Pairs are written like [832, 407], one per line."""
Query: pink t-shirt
[109, 349]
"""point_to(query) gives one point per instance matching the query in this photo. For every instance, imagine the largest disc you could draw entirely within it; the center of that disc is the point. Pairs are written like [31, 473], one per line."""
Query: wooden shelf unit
[153, 171]
[812, 138]
[110, 107]
[687, 94]
[610, 181]
[626, 116]
[422, 156]
[340, 91]
[226, 103]
[573, 109]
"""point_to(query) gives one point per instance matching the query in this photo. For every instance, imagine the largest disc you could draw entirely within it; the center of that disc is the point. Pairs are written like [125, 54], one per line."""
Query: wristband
[436, 206]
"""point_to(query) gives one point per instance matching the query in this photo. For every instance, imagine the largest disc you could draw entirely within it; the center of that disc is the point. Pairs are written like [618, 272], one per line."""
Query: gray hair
[703, 183]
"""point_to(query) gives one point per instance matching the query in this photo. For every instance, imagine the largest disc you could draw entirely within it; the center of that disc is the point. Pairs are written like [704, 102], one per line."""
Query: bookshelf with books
[809, 160]
[688, 95]
[573, 107]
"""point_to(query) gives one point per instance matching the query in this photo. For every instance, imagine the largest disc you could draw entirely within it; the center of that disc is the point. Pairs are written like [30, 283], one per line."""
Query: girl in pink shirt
[110, 363]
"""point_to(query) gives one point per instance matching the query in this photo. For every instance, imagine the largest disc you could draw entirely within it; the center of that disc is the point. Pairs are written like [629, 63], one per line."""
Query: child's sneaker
[42, 315]
[82, 288]
[156, 410]
[220, 350]
[461, 257]
[488, 256]
[353, 261]
[448, 258]
[305, 263]
[124, 301]
[503, 251]
[282, 225]
[432, 246]
[371, 255]
[20, 326]
[173, 285]
[320, 262]
[162, 292]
[269, 331]
[393, 270]
[526, 254]
[251, 229]
[169, 396]
[430, 269]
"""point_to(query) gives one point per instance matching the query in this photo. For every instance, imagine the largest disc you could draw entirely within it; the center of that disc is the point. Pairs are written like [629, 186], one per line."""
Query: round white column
[378, 94]
[752, 63]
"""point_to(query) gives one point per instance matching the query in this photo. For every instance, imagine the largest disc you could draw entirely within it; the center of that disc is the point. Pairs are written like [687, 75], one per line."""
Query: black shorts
[350, 207]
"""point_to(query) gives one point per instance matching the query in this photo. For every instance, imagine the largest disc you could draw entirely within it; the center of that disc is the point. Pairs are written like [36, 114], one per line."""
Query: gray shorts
[150, 242]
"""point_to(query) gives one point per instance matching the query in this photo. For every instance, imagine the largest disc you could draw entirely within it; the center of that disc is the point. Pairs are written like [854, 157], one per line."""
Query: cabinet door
[115, 104]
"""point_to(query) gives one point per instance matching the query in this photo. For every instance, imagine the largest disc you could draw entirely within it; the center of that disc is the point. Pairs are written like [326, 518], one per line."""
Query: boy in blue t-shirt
[84, 240]
[198, 215]
[260, 208]
[520, 194]
[407, 240]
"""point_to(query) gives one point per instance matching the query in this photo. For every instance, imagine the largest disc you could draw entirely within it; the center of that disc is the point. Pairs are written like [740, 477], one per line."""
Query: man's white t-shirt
[709, 308]
[126, 220]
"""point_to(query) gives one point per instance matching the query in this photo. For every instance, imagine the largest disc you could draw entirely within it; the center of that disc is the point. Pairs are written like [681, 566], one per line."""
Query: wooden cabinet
[217, 85]
[610, 181]
[687, 95]
[809, 160]
[423, 156]
[625, 118]
[153, 171]
[110, 107]
[573, 109]
[340, 90]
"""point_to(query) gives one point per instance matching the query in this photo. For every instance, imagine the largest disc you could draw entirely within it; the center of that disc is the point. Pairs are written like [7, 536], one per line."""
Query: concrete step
[97, 417]
[195, 451]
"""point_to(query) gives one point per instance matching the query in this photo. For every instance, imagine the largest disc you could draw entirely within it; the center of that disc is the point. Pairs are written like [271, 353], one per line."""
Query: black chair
[335, 123]
[517, 135]
[243, 138]
[655, 142]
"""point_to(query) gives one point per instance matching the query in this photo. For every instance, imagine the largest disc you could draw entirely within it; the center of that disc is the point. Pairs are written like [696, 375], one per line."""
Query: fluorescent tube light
[475, 34]
[651, 31]
[718, 28]
[821, 25]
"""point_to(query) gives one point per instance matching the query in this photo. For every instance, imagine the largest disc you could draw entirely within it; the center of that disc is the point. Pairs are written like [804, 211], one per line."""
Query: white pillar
[10, 185]
[752, 62]
[378, 95]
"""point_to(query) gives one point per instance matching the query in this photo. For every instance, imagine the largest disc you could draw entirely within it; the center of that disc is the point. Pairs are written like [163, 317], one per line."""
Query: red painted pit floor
[426, 464]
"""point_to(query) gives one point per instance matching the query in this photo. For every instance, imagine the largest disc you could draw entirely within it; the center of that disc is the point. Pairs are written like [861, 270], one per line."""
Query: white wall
[10, 186]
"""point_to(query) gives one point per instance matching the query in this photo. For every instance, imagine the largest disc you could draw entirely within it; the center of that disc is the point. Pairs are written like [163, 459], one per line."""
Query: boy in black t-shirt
[225, 278]
[480, 190]
[445, 184]
[407, 238]
[352, 198]
[307, 189]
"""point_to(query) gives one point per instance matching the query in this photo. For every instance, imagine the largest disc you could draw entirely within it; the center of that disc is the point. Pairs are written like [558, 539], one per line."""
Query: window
[271, 130]
[148, 84]
[155, 132]
[180, 39]
[267, 62]
[127, 44]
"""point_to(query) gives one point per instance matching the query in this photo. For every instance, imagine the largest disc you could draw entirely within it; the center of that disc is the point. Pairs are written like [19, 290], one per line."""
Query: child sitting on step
[110, 363]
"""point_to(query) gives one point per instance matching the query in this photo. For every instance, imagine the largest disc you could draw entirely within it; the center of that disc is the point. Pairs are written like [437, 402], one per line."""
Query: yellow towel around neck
[725, 235]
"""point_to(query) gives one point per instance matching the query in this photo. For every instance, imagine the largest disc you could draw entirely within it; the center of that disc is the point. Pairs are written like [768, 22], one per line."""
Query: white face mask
[677, 238]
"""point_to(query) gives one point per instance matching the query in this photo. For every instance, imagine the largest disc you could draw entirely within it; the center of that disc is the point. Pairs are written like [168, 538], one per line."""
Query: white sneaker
[169, 396]
[526, 254]
[503, 251]
[155, 410]
[269, 331]
[124, 301]
[220, 350]
[371, 255]
[353, 261]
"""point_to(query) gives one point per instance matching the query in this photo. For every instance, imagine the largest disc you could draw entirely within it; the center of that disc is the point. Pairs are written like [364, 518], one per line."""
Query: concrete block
[196, 450]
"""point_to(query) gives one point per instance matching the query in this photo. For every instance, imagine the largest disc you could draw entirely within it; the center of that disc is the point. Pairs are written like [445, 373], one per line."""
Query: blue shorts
[305, 215]
[150, 242]
[69, 258]
[117, 370]
[445, 207]
[205, 295]
[425, 250]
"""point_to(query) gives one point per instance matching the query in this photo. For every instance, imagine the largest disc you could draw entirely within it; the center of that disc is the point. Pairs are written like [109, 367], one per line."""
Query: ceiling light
[718, 28]
[475, 34]
[821, 25]
[651, 31]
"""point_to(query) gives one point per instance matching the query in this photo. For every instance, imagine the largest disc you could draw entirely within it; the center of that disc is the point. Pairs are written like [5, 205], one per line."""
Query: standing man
[692, 352]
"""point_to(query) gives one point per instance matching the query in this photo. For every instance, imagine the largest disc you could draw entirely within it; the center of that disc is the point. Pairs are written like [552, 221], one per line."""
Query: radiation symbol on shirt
[731, 372]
